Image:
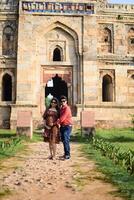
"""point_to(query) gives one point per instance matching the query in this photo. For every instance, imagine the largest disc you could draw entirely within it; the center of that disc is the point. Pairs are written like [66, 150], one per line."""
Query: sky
[122, 1]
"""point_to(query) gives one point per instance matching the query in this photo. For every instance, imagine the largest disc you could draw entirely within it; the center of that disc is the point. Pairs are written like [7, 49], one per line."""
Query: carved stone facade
[82, 50]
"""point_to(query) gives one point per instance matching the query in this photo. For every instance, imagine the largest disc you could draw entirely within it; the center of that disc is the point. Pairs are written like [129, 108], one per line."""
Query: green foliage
[37, 136]
[132, 120]
[126, 159]
[123, 138]
[114, 173]
[6, 134]
[9, 144]
[47, 102]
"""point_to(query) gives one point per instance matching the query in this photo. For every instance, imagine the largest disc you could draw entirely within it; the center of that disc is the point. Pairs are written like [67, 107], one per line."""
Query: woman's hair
[57, 106]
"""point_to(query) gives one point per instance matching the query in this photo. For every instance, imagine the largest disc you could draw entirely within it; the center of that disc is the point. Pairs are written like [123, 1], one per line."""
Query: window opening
[57, 54]
[107, 89]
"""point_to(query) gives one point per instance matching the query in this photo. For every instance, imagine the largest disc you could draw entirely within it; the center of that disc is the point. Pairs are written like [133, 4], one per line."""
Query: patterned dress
[51, 130]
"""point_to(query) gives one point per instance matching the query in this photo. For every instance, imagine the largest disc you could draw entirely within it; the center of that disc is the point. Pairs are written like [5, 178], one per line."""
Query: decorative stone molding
[109, 72]
[66, 29]
[106, 25]
[56, 44]
[130, 38]
[58, 7]
[9, 5]
[106, 38]
[101, 4]
[130, 73]
[119, 8]
[12, 24]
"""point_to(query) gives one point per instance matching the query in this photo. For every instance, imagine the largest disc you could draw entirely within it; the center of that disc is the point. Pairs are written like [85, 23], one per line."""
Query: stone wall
[96, 41]
[5, 113]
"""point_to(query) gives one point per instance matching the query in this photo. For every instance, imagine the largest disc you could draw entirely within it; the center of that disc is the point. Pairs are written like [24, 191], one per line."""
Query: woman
[51, 131]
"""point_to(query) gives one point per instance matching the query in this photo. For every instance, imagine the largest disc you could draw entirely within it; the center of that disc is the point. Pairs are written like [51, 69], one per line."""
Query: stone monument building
[81, 49]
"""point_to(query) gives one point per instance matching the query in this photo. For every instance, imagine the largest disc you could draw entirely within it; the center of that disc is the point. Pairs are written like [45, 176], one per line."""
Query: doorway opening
[56, 87]
[7, 88]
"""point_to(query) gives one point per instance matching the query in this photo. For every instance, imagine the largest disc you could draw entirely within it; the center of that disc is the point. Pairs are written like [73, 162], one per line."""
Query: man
[65, 122]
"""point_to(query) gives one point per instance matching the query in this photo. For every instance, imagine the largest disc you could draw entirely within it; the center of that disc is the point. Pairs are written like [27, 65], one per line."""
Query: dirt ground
[32, 176]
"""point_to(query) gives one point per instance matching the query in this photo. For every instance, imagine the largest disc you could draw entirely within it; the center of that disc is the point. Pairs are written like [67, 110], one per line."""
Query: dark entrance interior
[107, 89]
[58, 87]
[7, 88]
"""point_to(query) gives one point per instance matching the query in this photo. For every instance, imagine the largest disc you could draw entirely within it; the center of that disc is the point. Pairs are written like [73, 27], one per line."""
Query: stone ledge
[106, 106]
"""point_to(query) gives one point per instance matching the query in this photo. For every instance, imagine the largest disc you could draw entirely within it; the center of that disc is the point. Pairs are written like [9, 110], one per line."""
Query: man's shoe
[67, 157]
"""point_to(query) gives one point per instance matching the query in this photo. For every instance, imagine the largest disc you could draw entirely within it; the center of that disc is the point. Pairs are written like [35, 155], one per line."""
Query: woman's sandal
[50, 157]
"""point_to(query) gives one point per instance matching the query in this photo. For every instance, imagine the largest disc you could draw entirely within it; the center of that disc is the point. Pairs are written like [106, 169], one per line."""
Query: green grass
[115, 174]
[37, 136]
[123, 138]
[5, 134]
[8, 135]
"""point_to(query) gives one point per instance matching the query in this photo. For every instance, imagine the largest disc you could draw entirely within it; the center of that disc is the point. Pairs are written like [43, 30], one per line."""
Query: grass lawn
[114, 173]
[5, 134]
[121, 137]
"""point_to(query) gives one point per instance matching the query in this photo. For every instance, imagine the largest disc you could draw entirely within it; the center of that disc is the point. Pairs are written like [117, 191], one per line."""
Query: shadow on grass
[121, 139]
[78, 138]
[7, 135]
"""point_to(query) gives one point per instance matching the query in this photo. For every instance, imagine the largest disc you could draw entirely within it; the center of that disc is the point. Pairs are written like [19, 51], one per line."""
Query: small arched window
[57, 54]
[107, 89]
[7, 88]
[8, 41]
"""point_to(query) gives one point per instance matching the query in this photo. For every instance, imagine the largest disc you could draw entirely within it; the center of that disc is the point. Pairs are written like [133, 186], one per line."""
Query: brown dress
[51, 131]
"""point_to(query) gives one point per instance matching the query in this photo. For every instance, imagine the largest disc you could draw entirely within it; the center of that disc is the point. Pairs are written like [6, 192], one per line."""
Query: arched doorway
[7, 88]
[56, 87]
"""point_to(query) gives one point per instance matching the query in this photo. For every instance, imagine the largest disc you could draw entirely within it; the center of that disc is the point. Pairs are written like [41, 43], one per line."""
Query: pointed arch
[58, 53]
[107, 88]
[68, 30]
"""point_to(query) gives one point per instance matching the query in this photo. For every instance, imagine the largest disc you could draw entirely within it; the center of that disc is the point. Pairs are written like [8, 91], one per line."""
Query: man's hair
[63, 97]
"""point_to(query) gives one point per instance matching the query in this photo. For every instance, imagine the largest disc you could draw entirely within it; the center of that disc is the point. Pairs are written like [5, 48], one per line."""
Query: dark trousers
[65, 138]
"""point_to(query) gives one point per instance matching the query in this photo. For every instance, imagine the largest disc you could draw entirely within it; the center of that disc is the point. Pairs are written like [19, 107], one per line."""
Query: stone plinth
[24, 123]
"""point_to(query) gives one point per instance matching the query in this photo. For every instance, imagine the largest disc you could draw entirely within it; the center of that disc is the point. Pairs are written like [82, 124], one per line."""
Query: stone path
[38, 178]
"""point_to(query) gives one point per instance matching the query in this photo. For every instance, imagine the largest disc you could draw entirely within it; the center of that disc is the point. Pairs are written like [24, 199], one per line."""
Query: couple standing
[58, 124]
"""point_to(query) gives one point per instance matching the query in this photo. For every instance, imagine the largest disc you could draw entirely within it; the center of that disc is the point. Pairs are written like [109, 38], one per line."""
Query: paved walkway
[35, 177]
